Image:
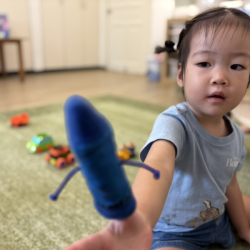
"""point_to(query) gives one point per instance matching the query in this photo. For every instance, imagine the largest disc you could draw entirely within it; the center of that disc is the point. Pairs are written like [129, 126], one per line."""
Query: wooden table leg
[21, 71]
[2, 60]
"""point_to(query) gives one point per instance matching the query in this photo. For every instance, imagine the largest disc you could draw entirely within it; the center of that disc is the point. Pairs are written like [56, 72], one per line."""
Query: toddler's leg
[246, 201]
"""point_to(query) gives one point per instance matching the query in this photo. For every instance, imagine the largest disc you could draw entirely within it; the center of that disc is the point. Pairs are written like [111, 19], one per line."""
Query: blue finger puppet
[91, 139]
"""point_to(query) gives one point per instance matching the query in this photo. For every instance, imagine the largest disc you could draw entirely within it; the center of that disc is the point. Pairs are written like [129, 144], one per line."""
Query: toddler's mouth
[217, 98]
[218, 95]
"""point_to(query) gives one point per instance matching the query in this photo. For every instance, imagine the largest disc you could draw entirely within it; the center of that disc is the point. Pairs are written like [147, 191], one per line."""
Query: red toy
[19, 120]
[60, 156]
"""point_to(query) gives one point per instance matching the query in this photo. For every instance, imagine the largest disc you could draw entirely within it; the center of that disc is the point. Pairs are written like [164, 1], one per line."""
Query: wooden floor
[48, 88]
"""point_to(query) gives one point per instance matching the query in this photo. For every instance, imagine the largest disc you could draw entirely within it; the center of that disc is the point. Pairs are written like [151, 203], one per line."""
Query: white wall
[18, 17]
[161, 11]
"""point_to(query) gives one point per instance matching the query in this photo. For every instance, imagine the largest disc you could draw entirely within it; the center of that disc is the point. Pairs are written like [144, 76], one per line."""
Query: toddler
[195, 146]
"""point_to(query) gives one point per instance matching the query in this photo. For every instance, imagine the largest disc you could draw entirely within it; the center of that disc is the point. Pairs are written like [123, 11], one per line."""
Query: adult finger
[91, 139]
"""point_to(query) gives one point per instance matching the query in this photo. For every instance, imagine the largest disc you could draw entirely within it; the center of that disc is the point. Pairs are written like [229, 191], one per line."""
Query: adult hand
[132, 233]
[91, 139]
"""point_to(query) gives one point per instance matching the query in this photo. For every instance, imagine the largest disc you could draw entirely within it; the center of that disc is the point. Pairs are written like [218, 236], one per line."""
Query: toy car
[60, 156]
[39, 143]
[19, 120]
[126, 152]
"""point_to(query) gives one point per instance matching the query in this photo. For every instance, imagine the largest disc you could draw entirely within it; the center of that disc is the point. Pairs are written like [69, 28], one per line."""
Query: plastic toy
[60, 156]
[39, 143]
[126, 152]
[19, 120]
[91, 140]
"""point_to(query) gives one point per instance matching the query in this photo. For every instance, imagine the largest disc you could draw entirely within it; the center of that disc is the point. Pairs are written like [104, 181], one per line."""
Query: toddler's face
[217, 71]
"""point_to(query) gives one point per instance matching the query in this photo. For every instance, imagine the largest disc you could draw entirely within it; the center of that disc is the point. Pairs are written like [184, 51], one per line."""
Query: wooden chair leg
[2, 60]
[21, 71]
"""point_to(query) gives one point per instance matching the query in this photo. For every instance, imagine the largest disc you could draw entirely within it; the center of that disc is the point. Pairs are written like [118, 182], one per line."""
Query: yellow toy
[126, 152]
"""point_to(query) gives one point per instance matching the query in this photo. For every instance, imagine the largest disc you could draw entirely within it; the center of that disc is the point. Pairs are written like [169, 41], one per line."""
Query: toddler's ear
[180, 76]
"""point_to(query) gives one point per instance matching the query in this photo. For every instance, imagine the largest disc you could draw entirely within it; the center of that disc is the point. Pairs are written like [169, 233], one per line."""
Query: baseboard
[57, 70]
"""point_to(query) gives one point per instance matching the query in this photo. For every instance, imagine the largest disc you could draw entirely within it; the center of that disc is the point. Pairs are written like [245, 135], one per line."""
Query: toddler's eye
[237, 67]
[204, 64]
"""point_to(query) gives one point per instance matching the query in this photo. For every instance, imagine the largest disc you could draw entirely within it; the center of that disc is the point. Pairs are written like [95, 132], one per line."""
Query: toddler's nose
[219, 77]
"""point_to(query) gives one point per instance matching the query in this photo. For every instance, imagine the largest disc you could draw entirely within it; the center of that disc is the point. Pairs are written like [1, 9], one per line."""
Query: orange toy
[60, 156]
[19, 120]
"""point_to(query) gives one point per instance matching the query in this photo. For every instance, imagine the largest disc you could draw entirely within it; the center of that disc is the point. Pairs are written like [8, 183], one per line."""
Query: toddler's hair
[209, 22]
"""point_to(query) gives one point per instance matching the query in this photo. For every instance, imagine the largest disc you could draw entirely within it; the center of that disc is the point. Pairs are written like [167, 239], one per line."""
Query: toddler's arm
[135, 232]
[151, 195]
[236, 210]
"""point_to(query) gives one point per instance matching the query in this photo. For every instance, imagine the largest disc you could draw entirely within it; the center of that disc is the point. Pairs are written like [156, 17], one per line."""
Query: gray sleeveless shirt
[204, 166]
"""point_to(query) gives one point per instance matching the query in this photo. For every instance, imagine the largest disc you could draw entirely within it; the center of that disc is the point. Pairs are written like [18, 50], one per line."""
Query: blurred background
[50, 49]
[104, 51]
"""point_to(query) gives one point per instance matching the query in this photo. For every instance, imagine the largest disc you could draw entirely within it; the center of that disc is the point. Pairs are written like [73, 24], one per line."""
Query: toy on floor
[91, 140]
[60, 156]
[126, 152]
[19, 120]
[40, 143]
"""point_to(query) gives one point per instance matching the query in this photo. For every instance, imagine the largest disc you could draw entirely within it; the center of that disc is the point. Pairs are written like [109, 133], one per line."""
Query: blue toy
[91, 140]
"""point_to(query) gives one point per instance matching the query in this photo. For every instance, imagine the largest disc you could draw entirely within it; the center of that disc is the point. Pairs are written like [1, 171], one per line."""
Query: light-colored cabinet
[81, 32]
[53, 35]
[70, 33]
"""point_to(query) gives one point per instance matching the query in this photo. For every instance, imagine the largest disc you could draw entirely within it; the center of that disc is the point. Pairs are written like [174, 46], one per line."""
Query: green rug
[29, 220]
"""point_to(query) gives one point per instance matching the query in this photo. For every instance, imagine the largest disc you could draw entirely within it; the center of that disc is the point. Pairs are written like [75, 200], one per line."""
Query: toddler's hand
[133, 233]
